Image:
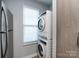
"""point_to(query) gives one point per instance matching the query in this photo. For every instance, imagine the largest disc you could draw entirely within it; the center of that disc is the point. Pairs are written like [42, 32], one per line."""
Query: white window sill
[30, 43]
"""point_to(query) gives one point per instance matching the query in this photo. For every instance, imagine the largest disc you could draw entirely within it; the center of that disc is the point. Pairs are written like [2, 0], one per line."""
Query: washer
[44, 48]
[41, 49]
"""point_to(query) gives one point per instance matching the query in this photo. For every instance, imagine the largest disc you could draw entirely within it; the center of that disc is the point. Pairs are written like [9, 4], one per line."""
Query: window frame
[31, 42]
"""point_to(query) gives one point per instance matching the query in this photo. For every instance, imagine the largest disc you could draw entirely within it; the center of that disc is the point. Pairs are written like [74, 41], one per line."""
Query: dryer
[44, 24]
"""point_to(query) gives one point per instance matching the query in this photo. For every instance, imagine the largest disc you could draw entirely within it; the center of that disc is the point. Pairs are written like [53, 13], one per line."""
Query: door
[0, 28]
[67, 28]
[41, 24]
[40, 50]
[3, 32]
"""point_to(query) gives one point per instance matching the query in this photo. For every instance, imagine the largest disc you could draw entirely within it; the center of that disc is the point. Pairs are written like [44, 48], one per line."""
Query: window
[30, 20]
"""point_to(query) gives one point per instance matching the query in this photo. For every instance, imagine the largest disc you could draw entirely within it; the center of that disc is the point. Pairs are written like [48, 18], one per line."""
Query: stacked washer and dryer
[45, 35]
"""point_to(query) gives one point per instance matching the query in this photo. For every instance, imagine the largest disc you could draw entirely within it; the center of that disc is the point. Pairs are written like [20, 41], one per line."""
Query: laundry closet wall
[67, 28]
[16, 7]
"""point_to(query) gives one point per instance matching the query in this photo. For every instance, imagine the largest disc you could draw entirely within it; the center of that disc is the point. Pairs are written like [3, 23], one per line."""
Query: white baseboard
[31, 56]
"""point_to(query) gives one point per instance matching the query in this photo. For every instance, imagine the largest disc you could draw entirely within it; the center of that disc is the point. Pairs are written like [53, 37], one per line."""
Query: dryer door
[41, 24]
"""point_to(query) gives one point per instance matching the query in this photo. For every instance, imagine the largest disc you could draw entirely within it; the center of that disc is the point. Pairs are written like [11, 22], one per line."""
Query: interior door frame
[54, 27]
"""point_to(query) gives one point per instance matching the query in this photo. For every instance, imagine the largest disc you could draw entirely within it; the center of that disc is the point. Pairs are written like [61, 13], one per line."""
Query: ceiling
[46, 2]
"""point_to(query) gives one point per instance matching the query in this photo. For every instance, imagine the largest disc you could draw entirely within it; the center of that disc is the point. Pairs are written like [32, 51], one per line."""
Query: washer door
[41, 24]
[40, 50]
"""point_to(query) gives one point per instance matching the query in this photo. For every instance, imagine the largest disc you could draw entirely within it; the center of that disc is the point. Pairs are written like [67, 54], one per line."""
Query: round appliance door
[41, 50]
[41, 24]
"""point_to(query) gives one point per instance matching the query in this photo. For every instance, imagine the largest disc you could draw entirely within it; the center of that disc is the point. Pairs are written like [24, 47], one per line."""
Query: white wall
[36, 5]
[50, 7]
[16, 7]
